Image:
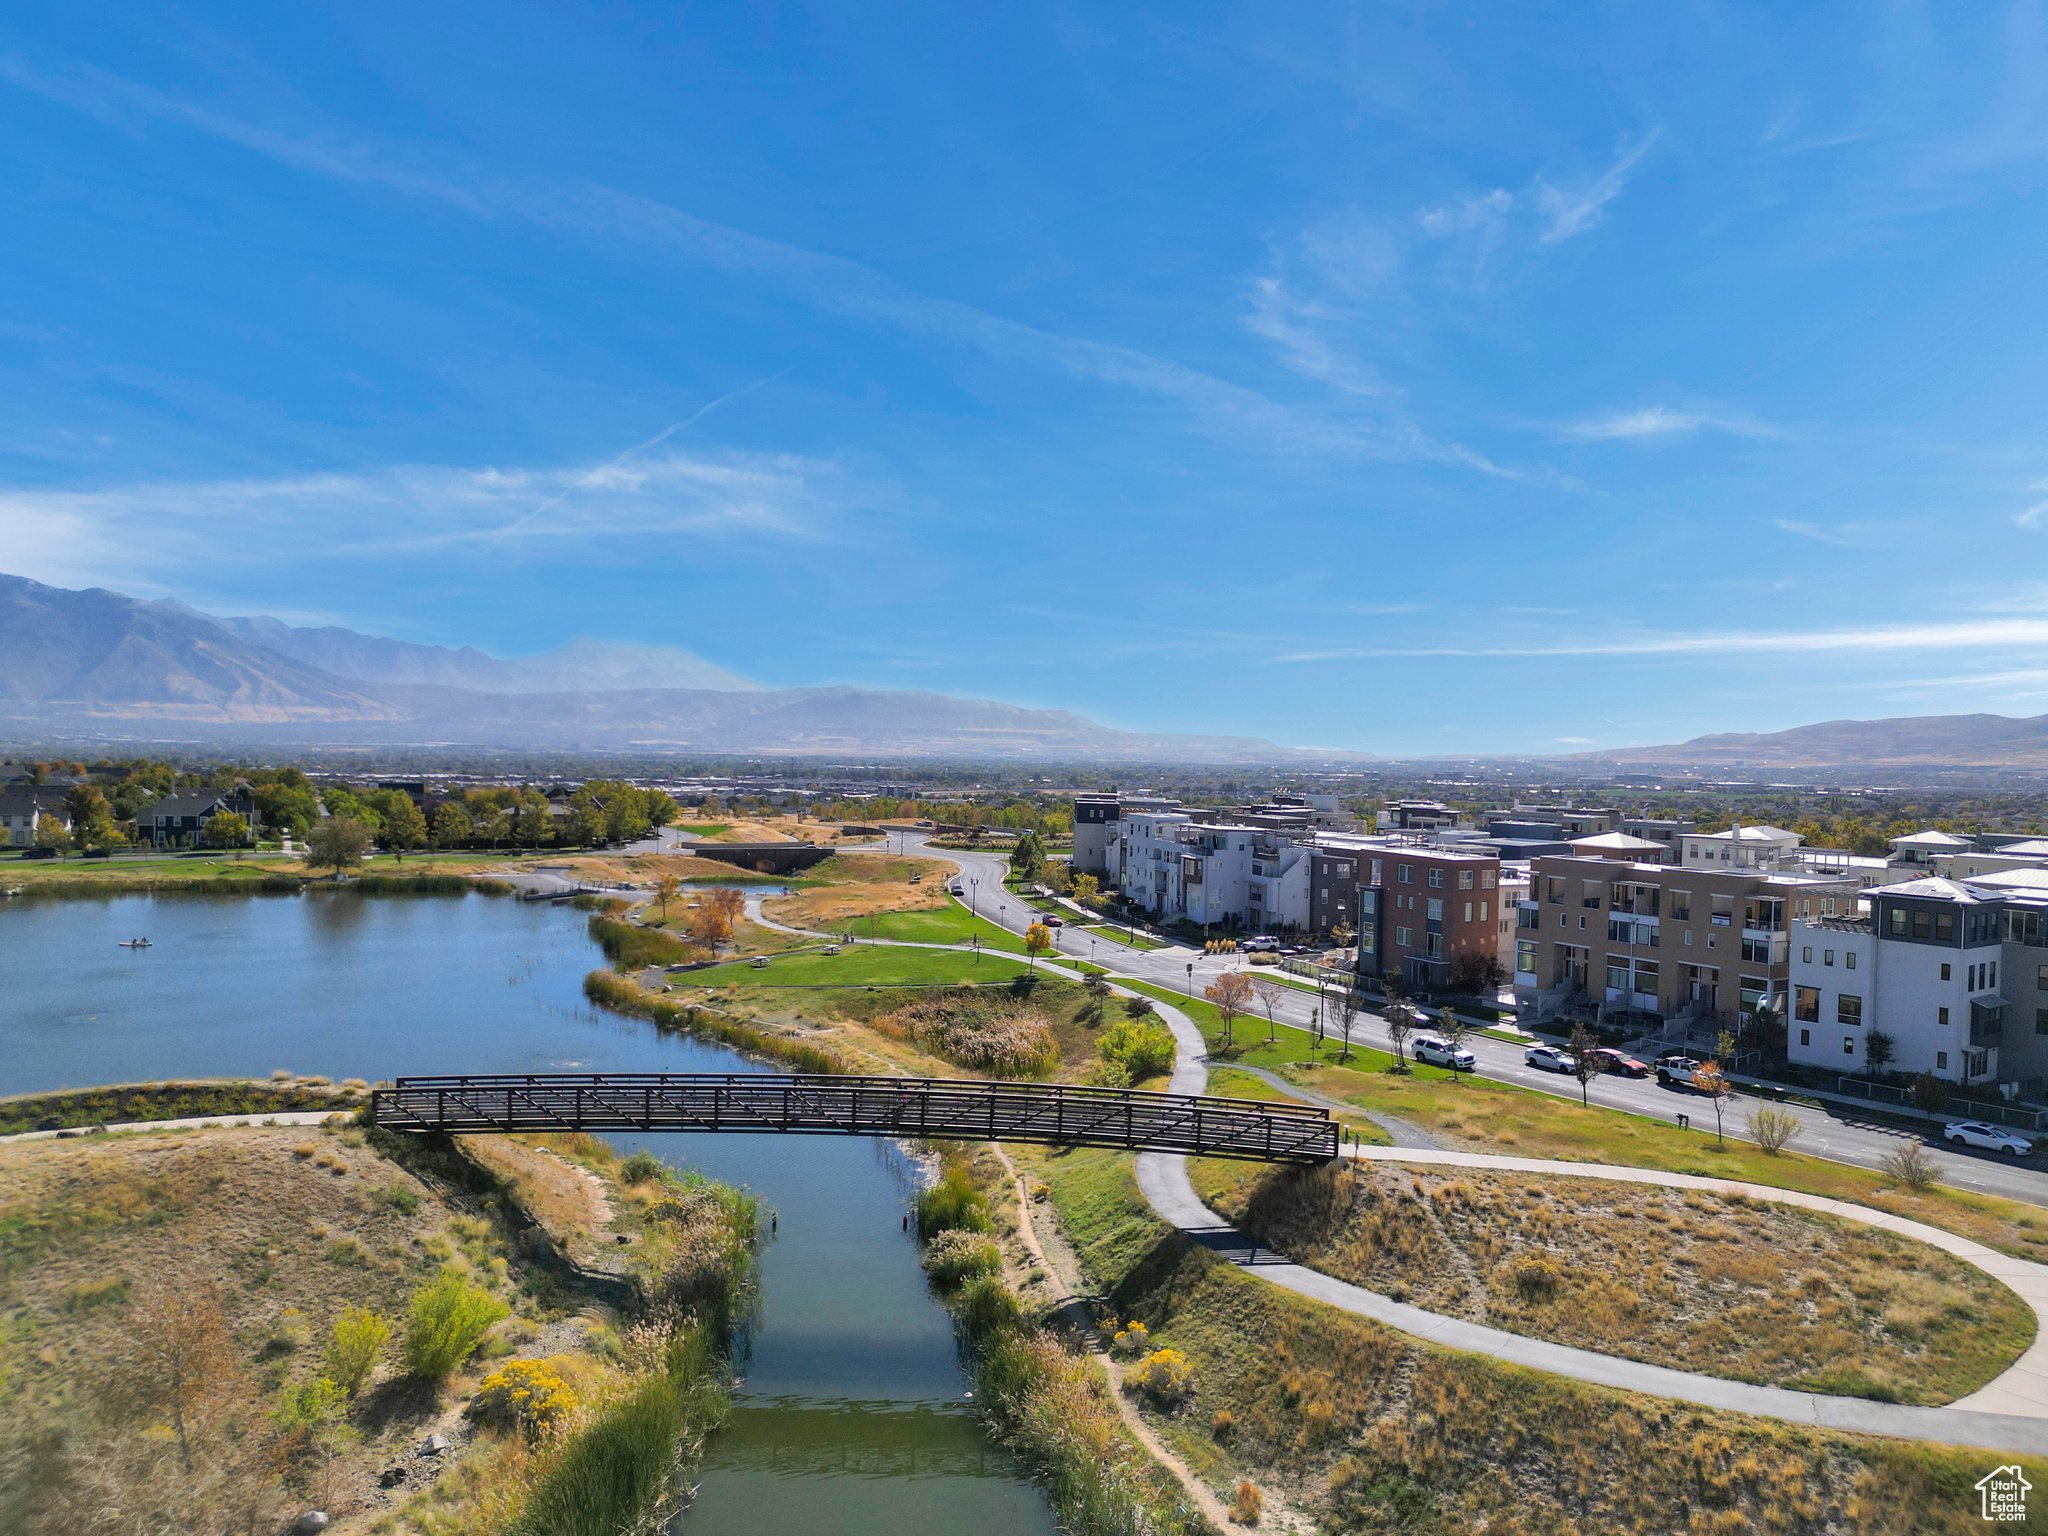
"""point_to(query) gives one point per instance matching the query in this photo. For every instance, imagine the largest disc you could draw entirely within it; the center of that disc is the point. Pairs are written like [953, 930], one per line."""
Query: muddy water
[852, 1415]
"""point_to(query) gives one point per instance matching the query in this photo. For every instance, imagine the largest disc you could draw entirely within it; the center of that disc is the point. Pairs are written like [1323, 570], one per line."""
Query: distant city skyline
[1474, 383]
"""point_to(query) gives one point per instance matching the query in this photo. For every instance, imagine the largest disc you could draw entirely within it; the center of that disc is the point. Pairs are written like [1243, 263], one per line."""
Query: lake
[852, 1415]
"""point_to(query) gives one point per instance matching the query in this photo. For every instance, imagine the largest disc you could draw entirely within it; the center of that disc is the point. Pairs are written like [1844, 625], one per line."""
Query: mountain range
[1916, 742]
[100, 665]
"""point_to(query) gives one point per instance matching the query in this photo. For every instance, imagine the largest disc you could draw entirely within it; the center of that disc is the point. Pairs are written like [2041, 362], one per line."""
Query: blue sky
[1456, 379]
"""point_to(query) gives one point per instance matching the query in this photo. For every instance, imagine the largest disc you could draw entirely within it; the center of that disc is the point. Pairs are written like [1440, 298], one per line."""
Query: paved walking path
[2010, 1414]
[195, 1122]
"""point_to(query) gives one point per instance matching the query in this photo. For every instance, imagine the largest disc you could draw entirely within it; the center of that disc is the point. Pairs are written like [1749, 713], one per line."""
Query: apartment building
[1214, 874]
[1424, 912]
[1924, 969]
[1740, 848]
[1095, 819]
[1697, 945]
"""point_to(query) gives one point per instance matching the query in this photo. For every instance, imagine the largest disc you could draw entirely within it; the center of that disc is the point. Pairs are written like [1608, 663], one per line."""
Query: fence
[1956, 1108]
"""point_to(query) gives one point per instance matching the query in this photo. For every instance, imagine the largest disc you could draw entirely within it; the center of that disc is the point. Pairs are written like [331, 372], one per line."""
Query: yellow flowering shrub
[1165, 1376]
[526, 1394]
[1131, 1339]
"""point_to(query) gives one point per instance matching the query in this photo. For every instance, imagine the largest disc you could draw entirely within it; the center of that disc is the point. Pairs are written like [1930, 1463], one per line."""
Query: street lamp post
[1191, 981]
[974, 893]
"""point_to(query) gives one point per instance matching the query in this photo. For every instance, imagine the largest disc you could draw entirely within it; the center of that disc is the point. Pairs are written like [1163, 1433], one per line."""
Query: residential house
[177, 821]
[25, 810]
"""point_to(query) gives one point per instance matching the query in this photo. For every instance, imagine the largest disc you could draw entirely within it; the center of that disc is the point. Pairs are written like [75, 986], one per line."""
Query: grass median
[877, 965]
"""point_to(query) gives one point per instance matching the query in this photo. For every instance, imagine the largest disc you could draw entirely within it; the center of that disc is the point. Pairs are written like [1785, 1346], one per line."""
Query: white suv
[1441, 1053]
[1992, 1138]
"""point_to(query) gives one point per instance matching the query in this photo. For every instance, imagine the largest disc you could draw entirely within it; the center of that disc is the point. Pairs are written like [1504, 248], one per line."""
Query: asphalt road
[1837, 1132]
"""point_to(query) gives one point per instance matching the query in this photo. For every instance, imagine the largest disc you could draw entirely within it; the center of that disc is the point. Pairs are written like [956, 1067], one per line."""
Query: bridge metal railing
[809, 1104]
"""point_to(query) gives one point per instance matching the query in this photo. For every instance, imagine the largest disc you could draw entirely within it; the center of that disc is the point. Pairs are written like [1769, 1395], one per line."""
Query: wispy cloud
[1656, 422]
[1461, 214]
[600, 512]
[1954, 636]
[834, 284]
[1843, 535]
[2032, 517]
[1574, 211]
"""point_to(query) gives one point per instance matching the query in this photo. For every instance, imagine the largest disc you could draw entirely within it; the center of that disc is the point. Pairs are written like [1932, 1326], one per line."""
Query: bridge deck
[934, 1108]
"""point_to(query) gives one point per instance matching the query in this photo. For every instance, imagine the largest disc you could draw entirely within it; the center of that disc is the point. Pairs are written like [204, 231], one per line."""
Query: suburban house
[176, 821]
[24, 810]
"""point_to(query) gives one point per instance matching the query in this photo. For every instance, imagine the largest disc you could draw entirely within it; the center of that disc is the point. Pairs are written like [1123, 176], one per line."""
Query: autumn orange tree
[1232, 994]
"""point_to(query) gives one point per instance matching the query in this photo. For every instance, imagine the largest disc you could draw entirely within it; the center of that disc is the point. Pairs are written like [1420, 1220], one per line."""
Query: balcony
[1987, 1023]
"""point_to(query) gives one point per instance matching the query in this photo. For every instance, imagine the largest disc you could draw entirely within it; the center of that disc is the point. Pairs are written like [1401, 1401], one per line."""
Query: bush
[640, 1167]
[950, 1204]
[997, 1037]
[1143, 1049]
[1535, 1275]
[359, 1339]
[1131, 1339]
[1246, 1503]
[1771, 1128]
[1139, 1007]
[448, 1318]
[1165, 1376]
[1909, 1165]
[985, 1305]
[529, 1395]
[956, 1256]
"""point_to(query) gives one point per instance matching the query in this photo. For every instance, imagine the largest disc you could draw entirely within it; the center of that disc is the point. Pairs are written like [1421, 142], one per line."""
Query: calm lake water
[852, 1416]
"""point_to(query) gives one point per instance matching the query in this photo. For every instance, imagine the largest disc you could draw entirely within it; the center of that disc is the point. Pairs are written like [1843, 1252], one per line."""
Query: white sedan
[1441, 1053]
[1550, 1059]
[1992, 1138]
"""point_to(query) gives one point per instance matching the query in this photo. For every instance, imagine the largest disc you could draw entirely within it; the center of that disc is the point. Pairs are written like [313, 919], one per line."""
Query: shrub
[1131, 1339]
[951, 1203]
[1246, 1503]
[400, 1199]
[1143, 1049]
[1139, 1007]
[446, 1321]
[1909, 1165]
[956, 1256]
[359, 1339]
[1771, 1128]
[640, 1167]
[1535, 1275]
[985, 1305]
[1001, 1038]
[1224, 1422]
[1165, 1376]
[529, 1395]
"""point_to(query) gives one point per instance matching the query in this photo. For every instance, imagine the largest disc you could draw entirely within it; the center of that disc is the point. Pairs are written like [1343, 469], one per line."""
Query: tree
[92, 819]
[1085, 888]
[582, 826]
[1454, 1030]
[1767, 1026]
[533, 824]
[1059, 877]
[1231, 993]
[1271, 994]
[712, 923]
[1712, 1081]
[1037, 940]
[1478, 975]
[1585, 1064]
[180, 1362]
[52, 833]
[225, 829]
[338, 842]
[451, 825]
[1400, 1017]
[1877, 1051]
[1027, 859]
[1347, 1018]
[493, 826]
[665, 890]
[404, 826]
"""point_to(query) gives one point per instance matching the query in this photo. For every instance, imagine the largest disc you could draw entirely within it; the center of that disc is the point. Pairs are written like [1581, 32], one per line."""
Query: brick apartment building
[1423, 912]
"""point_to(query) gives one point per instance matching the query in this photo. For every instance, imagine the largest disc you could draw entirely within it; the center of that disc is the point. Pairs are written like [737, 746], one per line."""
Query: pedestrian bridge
[941, 1109]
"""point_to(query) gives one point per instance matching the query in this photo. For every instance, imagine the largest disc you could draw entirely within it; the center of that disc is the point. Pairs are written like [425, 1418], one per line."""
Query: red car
[1612, 1060]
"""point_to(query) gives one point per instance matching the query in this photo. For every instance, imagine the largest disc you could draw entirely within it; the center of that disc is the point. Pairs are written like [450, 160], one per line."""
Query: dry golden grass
[1749, 1290]
[828, 906]
[565, 1199]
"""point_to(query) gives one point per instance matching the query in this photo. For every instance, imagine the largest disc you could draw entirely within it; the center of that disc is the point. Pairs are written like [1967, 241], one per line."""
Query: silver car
[1550, 1059]
[1992, 1138]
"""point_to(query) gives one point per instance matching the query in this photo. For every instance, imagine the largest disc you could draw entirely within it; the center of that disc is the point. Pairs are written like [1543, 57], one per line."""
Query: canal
[852, 1415]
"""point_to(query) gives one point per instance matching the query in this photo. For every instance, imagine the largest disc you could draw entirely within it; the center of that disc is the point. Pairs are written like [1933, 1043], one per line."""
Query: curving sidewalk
[2009, 1414]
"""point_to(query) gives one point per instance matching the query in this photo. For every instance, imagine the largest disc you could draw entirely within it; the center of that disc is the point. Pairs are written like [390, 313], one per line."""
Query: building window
[1433, 945]
[1941, 1015]
[1806, 1004]
[1468, 911]
[1945, 927]
[1806, 954]
[1436, 909]
[1617, 973]
[1482, 912]
[1945, 970]
[1827, 957]
[1941, 1061]
[1375, 871]
[1464, 879]
[1405, 873]
[1849, 959]
[1486, 879]
[1525, 961]
[1848, 1045]
[1848, 1008]
[1898, 922]
[1806, 1037]
[2041, 1021]
[1688, 938]
[1401, 937]
[1681, 905]
[1436, 879]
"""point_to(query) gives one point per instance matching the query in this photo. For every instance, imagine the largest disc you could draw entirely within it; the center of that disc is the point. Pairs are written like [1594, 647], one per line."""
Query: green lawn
[1123, 936]
[860, 966]
[942, 925]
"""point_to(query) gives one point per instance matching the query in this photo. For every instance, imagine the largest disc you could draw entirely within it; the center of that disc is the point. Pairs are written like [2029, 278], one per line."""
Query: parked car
[956, 890]
[1053, 922]
[1264, 941]
[1677, 1069]
[1612, 1060]
[40, 853]
[1992, 1138]
[1550, 1059]
[1441, 1053]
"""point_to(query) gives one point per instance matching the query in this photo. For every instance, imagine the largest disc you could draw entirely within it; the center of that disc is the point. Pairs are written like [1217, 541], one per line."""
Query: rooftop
[1944, 890]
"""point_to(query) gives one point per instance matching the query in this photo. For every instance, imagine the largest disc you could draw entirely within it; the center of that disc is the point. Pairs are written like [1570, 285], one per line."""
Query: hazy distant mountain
[99, 652]
[1923, 741]
[99, 666]
[577, 665]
